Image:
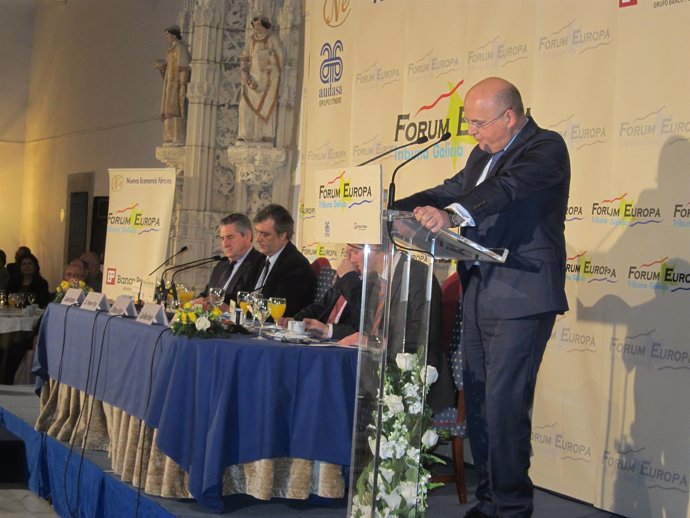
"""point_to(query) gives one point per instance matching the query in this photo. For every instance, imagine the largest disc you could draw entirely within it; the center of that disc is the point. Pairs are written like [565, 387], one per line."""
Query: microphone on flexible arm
[160, 290]
[421, 140]
[189, 266]
[391, 187]
[183, 249]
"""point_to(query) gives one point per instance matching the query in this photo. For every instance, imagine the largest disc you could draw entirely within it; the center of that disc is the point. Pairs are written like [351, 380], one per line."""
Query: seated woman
[30, 281]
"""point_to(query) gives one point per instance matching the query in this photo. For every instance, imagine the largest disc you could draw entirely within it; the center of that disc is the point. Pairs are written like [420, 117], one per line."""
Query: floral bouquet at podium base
[404, 448]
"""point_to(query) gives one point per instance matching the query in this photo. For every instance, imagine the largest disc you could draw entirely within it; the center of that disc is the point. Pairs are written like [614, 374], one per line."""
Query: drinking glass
[276, 306]
[31, 297]
[243, 302]
[3, 299]
[216, 296]
[184, 295]
[260, 310]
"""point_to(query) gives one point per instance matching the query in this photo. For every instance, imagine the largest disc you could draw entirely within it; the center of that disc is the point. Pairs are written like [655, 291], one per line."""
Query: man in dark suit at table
[242, 269]
[337, 314]
[286, 272]
[513, 194]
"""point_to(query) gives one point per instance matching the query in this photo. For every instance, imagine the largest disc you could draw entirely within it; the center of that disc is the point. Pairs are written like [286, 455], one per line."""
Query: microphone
[189, 266]
[183, 249]
[391, 187]
[421, 140]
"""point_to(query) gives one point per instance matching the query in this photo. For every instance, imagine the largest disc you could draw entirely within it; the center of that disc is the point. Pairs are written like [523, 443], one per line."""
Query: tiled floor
[18, 502]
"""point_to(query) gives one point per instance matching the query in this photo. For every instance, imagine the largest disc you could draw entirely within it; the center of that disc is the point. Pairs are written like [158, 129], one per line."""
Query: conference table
[217, 409]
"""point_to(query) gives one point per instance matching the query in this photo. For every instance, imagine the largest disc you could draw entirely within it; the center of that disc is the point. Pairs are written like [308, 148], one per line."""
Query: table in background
[213, 403]
[16, 338]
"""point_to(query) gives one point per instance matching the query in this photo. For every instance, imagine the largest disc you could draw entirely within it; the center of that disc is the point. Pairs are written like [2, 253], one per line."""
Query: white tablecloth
[13, 320]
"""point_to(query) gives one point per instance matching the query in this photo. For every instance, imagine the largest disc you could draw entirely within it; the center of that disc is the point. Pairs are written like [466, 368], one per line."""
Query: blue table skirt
[215, 402]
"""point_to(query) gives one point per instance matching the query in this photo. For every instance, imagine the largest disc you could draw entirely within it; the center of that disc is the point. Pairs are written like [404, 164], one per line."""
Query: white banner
[139, 214]
[348, 205]
[611, 417]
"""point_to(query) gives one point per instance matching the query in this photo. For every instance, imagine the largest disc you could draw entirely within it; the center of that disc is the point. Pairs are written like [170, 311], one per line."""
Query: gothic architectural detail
[216, 176]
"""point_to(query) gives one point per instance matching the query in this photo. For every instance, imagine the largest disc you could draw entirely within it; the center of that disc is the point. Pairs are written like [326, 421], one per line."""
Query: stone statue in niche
[176, 72]
[260, 68]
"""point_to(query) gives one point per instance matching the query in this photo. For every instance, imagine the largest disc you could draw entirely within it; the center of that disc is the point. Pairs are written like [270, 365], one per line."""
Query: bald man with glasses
[513, 194]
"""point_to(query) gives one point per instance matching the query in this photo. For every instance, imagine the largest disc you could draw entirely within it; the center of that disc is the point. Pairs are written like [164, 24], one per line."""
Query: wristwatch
[455, 219]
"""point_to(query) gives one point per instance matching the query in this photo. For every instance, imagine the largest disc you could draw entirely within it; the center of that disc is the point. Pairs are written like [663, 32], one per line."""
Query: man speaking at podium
[513, 194]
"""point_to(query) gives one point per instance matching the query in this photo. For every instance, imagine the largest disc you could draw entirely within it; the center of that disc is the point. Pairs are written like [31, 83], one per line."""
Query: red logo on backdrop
[110, 276]
[626, 3]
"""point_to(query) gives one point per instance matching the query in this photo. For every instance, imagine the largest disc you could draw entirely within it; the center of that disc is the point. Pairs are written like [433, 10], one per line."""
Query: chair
[318, 264]
[324, 281]
[453, 419]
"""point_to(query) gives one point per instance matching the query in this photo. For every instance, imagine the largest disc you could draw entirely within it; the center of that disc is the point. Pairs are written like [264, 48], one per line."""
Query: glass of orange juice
[243, 301]
[184, 294]
[276, 306]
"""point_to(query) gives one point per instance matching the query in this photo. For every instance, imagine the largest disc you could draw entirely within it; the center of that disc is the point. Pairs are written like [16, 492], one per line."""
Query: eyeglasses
[481, 125]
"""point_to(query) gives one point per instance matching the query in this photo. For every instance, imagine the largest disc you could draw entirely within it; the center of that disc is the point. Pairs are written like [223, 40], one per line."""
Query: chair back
[318, 264]
[450, 295]
[324, 281]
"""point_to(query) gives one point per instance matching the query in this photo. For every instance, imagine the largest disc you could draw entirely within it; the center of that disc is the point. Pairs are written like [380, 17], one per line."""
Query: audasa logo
[330, 72]
[130, 220]
[581, 268]
[620, 211]
[658, 275]
[340, 193]
[573, 38]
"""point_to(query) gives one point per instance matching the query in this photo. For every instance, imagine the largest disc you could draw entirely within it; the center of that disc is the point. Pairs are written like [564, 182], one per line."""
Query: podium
[400, 328]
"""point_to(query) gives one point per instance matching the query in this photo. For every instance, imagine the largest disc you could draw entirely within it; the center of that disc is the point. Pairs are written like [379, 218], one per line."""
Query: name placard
[152, 314]
[123, 306]
[95, 301]
[72, 296]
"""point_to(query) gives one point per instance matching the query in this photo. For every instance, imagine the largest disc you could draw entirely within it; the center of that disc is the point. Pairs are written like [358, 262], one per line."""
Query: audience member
[13, 268]
[337, 314]
[244, 264]
[4, 274]
[74, 271]
[30, 281]
[286, 273]
[94, 275]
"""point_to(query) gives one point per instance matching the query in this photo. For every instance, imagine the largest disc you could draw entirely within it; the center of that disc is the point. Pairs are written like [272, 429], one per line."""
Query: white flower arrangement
[405, 440]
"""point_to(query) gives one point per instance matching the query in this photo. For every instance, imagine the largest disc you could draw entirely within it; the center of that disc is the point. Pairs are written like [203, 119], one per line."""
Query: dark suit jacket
[291, 278]
[350, 287]
[406, 324]
[243, 280]
[520, 206]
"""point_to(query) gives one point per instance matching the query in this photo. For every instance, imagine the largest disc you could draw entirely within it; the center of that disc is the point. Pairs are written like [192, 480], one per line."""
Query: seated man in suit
[242, 269]
[286, 273]
[409, 311]
[337, 315]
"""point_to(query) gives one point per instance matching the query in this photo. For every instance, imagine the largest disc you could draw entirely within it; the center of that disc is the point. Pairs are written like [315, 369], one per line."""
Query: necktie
[381, 302]
[490, 165]
[264, 275]
[227, 275]
[337, 310]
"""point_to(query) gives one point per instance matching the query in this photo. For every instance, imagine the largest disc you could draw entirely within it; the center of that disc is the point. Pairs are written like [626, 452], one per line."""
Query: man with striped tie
[242, 269]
